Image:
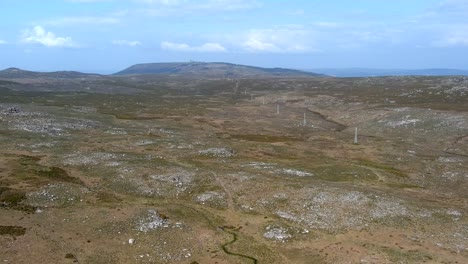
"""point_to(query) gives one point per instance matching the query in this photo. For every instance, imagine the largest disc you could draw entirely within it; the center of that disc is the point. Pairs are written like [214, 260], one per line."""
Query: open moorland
[258, 169]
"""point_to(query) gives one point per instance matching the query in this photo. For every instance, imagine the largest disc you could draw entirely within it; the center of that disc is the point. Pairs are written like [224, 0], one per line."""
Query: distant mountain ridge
[15, 73]
[369, 72]
[211, 70]
[228, 70]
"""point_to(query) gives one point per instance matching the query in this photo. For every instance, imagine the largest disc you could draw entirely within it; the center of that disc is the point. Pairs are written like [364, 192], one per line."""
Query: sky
[105, 36]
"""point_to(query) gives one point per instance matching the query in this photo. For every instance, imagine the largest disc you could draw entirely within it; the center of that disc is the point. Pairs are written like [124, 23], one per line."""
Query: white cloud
[163, 8]
[226, 4]
[454, 37]
[129, 43]
[39, 35]
[445, 11]
[325, 24]
[453, 6]
[367, 36]
[88, 20]
[457, 40]
[163, 2]
[87, 1]
[256, 43]
[297, 12]
[207, 47]
[290, 39]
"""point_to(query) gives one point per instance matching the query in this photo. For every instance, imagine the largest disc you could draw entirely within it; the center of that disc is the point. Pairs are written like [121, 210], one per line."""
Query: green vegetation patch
[383, 167]
[57, 174]
[340, 173]
[29, 170]
[265, 138]
[406, 256]
[107, 197]
[401, 185]
[28, 160]
[3, 189]
[12, 231]
[12, 199]
[137, 117]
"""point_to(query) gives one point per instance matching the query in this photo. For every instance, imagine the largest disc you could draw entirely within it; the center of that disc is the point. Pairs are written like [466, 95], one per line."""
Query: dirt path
[219, 181]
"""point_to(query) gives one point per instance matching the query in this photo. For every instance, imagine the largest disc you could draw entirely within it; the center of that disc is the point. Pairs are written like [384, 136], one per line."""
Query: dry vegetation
[174, 170]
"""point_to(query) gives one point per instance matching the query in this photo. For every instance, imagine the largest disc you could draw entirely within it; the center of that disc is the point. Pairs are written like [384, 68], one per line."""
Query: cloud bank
[206, 47]
[38, 35]
[130, 43]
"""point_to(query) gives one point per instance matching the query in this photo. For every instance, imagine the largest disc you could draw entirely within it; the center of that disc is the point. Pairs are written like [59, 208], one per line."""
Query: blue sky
[108, 35]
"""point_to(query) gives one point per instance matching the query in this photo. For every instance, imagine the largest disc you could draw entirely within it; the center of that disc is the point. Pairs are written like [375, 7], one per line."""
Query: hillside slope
[15, 73]
[211, 70]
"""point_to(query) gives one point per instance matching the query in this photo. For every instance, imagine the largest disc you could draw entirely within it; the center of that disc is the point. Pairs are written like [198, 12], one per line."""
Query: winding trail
[230, 207]
[230, 204]
[225, 245]
[234, 239]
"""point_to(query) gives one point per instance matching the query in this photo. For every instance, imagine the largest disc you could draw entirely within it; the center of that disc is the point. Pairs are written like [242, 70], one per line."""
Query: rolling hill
[211, 70]
[368, 72]
[15, 73]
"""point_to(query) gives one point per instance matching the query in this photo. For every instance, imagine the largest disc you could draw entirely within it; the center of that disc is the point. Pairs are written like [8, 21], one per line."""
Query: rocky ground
[213, 174]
